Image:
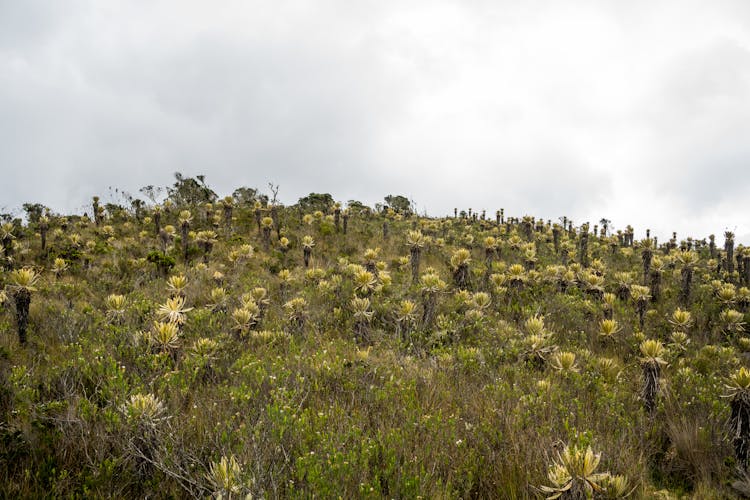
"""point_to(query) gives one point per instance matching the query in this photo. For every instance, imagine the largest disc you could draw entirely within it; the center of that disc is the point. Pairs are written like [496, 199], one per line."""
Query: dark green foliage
[164, 263]
[34, 211]
[399, 203]
[248, 196]
[357, 206]
[190, 191]
[316, 201]
[116, 213]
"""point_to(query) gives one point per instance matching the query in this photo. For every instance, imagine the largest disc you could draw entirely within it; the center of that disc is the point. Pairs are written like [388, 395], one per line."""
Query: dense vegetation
[205, 346]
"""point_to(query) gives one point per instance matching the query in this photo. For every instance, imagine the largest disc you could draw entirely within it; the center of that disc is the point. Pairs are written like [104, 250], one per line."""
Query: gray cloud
[699, 117]
[635, 112]
[24, 25]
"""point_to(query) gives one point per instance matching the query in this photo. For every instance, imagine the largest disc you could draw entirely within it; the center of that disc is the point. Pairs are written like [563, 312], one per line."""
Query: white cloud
[635, 111]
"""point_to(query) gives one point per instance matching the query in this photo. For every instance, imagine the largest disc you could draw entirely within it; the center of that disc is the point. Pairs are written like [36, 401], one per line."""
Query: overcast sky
[637, 111]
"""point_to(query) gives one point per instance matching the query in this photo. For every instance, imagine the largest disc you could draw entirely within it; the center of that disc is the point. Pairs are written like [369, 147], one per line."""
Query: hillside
[240, 347]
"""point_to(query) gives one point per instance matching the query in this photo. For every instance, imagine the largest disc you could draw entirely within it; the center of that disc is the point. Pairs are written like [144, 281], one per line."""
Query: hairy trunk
[416, 254]
[712, 246]
[404, 331]
[655, 285]
[429, 303]
[461, 277]
[22, 297]
[257, 218]
[228, 218]
[729, 250]
[275, 219]
[361, 331]
[207, 247]
[687, 282]
[266, 237]
[297, 324]
[97, 213]
[641, 306]
[646, 258]
[43, 234]
[556, 238]
[489, 258]
[527, 229]
[739, 423]
[157, 223]
[185, 241]
[8, 251]
[650, 390]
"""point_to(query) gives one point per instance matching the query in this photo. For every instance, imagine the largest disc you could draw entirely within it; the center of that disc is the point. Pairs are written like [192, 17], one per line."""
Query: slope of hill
[239, 348]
